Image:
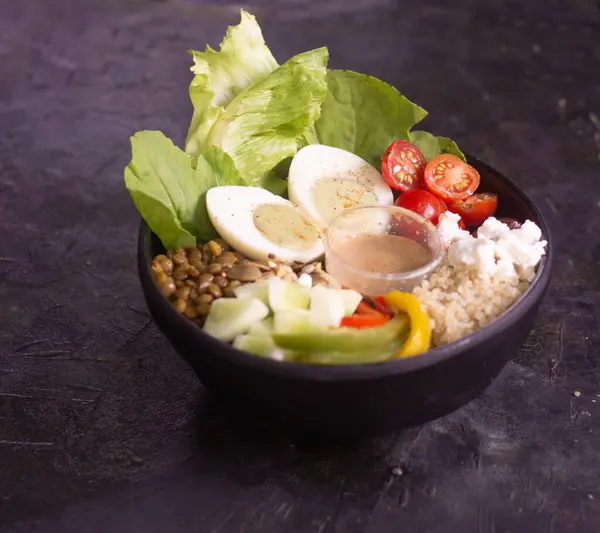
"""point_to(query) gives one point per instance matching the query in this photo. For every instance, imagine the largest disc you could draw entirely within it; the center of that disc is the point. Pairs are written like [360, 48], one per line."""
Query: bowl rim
[366, 371]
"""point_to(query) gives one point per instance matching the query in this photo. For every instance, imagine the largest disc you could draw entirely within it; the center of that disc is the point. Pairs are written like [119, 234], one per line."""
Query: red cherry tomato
[403, 166]
[449, 178]
[422, 202]
[475, 209]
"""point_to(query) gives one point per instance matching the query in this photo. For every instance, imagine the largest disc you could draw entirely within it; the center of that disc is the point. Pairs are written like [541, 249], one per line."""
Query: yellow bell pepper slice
[419, 338]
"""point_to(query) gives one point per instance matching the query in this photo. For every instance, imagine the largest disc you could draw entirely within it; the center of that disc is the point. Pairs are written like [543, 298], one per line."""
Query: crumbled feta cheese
[449, 229]
[492, 228]
[477, 253]
[497, 250]
[529, 232]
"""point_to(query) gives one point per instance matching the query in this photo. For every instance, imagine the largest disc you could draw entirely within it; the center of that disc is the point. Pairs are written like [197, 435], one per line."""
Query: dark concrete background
[103, 428]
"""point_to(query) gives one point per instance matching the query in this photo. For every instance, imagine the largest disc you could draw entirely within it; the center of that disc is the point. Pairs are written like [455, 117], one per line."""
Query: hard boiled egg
[323, 181]
[258, 223]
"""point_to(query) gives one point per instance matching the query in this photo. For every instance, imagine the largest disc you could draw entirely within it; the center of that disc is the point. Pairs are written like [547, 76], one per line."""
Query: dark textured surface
[104, 428]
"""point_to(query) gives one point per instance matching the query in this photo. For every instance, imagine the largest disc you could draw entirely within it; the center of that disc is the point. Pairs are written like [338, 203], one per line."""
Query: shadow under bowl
[358, 400]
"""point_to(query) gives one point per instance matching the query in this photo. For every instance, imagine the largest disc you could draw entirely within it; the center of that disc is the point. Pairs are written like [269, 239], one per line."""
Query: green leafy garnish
[169, 187]
[364, 115]
[430, 145]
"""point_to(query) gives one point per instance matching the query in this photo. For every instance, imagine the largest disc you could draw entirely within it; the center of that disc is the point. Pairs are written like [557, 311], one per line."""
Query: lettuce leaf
[364, 115]
[265, 124]
[169, 187]
[430, 145]
[242, 61]
[256, 111]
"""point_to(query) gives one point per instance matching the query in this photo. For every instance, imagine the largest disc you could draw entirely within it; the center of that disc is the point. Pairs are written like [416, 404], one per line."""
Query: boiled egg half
[260, 224]
[323, 181]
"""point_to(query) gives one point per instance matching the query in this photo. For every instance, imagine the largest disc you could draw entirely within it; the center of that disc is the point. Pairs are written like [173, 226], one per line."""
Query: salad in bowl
[308, 220]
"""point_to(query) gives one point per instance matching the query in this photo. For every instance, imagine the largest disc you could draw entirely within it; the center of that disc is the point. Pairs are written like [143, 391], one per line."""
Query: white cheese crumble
[497, 250]
[448, 228]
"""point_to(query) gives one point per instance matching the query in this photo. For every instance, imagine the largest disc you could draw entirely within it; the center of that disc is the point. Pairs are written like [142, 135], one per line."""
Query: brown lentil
[180, 274]
[179, 259]
[214, 248]
[224, 246]
[205, 278]
[229, 292]
[193, 271]
[167, 288]
[191, 312]
[179, 283]
[161, 278]
[215, 290]
[204, 299]
[203, 309]
[180, 305]
[221, 282]
[190, 283]
[215, 268]
[227, 259]
[183, 293]
[166, 264]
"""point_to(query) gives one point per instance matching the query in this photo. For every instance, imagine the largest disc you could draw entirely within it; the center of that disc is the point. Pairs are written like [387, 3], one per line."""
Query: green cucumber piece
[286, 295]
[258, 289]
[230, 317]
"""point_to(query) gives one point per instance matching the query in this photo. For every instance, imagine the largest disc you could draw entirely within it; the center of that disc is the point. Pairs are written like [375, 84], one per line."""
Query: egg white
[317, 162]
[231, 211]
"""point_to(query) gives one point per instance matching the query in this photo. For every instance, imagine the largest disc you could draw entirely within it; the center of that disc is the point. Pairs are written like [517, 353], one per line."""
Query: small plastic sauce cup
[379, 220]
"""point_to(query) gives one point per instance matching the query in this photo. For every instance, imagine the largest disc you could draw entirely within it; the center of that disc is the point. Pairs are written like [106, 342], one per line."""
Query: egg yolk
[333, 195]
[285, 226]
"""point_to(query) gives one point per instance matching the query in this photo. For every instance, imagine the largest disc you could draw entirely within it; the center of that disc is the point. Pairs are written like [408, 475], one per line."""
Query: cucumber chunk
[230, 317]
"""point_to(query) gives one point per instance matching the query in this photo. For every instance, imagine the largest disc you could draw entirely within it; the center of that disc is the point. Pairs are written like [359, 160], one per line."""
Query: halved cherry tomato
[364, 321]
[424, 203]
[475, 209]
[449, 178]
[403, 166]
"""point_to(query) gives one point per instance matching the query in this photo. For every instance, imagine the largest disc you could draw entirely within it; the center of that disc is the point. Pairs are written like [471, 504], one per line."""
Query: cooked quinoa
[460, 302]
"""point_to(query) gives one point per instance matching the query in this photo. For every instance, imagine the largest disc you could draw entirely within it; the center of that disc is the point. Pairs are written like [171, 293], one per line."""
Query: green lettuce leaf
[364, 115]
[169, 187]
[448, 146]
[430, 145]
[266, 123]
[242, 61]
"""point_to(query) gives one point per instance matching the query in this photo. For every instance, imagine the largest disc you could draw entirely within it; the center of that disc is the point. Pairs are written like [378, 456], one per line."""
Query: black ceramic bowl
[357, 400]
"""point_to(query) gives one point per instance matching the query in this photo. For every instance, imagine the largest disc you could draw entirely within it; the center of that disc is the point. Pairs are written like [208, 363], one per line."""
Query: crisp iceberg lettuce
[256, 111]
[242, 61]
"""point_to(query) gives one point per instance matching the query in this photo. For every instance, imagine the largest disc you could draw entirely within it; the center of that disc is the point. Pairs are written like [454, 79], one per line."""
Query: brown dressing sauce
[386, 254]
